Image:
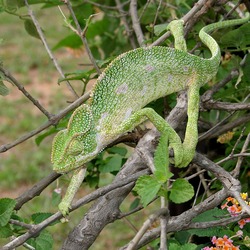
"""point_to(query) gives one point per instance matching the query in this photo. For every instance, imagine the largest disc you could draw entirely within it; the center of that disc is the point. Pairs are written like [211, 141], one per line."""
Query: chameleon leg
[162, 126]
[191, 135]
[74, 185]
[176, 28]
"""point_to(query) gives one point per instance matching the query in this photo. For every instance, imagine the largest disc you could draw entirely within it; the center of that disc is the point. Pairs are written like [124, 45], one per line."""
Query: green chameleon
[129, 83]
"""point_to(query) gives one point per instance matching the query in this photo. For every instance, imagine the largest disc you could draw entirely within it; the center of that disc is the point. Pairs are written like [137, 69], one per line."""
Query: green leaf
[211, 215]
[211, 231]
[93, 181]
[5, 231]
[161, 160]
[246, 69]
[56, 198]
[147, 188]
[78, 75]
[237, 38]
[31, 28]
[112, 164]
[134, 204]
[82, 12]
[159, 29]
[9, 5]
[7, 206]
[42, 242]
[72, 41]
[182, 237]
[3, 89]
[41, 137]
[188, 246]
[117, 150]
[181, 191]
[39, 217]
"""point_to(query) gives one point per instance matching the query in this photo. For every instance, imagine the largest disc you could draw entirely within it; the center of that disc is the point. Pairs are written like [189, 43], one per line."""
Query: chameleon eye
[75, 147]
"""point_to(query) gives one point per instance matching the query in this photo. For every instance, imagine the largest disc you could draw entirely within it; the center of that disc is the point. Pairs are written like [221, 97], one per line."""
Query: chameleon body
[129, 83]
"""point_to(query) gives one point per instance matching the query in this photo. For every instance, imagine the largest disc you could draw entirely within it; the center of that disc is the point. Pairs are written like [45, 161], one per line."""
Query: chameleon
[118, 99]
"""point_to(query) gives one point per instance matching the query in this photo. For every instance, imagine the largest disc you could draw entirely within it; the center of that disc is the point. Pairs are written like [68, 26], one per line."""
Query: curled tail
[210, 42]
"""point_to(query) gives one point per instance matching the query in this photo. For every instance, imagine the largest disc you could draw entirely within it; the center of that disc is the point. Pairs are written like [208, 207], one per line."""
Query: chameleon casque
[129, 83]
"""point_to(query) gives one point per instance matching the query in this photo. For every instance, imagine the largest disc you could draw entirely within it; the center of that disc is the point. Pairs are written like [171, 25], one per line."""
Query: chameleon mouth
[66, 168]
[74, 162]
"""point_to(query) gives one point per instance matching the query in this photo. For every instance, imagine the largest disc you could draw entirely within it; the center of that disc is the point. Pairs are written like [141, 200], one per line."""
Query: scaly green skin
[130, 82]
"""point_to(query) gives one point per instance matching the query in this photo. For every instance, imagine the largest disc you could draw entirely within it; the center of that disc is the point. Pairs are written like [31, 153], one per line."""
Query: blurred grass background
[24, 165]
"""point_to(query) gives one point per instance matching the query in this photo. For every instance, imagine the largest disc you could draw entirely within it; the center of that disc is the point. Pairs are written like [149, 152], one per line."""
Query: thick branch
[106, 209]
[35, 190]
[35, 229]
[183, 221]
[227, 106]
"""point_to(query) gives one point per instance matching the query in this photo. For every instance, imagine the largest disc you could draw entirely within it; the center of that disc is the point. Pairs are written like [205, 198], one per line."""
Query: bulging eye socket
[76, 146]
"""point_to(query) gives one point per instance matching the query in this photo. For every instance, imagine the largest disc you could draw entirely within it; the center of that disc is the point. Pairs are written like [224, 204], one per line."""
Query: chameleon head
[76, 145]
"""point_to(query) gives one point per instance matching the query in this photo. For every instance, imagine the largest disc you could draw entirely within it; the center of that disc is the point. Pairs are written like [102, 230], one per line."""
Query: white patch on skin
[149, 68]
[128, 113]
[122, 89]
[103, 116]
[170, 78]
[144, 90]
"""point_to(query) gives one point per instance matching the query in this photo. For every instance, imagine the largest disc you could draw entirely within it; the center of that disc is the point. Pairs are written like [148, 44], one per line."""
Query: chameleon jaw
[78, 162]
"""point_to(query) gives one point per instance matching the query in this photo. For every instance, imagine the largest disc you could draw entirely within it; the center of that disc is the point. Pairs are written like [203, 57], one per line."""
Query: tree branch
[81, 33]
[35, 190]
[125, 23]
[41, 35]
[201, 4]
[12, 79]
[136, 23]
[127, 182]
[53, 121]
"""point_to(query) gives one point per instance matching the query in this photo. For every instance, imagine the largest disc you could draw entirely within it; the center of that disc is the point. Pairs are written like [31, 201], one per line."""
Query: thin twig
[186, 18]
[230, 157]
[125, 23]
[20, 224]
[227, 106]
[136, 23]
[163, 224]
[81, 33]
[207, 96]
[210, 132]
[228, 181]
[41, 35]
[35, 190]
[236, 170]
[10, 77]
[231, 125]
[57, 216]
[105, 6]
[148, 223]
[53, 121]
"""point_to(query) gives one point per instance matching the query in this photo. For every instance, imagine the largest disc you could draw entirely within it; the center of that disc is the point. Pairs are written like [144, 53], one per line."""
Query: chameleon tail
[210, 42]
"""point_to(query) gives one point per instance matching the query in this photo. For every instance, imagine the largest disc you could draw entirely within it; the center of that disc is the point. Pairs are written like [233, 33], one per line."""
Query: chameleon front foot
[64, 208]
[188, 155]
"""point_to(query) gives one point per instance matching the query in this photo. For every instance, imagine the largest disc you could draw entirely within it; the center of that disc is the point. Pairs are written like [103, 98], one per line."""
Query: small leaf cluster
[13, 225]
[148, 187]
[109, 161]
